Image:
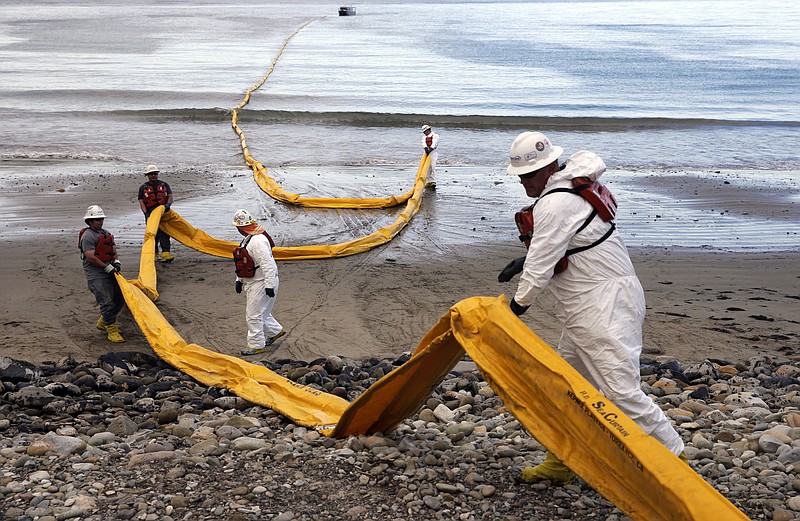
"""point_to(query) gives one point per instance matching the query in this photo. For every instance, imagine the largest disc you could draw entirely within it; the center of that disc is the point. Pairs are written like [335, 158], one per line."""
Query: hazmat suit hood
[581, 164]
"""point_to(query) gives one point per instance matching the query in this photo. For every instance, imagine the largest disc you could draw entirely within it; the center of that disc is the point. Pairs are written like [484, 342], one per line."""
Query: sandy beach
[701, 303]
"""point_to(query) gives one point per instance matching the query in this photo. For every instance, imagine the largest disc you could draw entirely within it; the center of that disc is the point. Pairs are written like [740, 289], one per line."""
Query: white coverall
[259, 306]
[600, 301]
[434, 143]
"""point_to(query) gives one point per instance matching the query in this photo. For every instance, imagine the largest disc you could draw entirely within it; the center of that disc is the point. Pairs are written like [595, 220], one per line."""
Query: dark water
[645, 84]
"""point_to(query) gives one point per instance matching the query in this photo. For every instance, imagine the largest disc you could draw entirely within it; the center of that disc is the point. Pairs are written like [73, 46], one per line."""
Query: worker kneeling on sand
[100, 263]
[576, 252]
[257, 274]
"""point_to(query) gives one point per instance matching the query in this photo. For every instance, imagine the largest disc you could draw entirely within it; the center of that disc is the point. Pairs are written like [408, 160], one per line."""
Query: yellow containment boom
[274, 190]
[255, 383]
[549, 398]
[147, 260]
[178, 228]
[554, 403]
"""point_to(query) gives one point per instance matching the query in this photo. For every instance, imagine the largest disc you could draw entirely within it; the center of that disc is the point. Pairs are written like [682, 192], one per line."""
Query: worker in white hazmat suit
[430, 142]
[600, 301]
[257, 274]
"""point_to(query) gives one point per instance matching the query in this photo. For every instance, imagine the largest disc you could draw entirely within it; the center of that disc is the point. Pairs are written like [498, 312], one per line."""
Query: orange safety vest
[105, 250]
[154, 196]
[603, 204]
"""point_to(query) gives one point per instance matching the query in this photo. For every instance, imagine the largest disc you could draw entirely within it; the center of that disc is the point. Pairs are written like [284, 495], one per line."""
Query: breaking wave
[399, 120]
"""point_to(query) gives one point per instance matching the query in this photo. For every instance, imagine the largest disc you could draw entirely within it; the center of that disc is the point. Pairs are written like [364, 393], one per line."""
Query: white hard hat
[94, 212]
[531, 151]
[242, 218]
[426, 127]
[151, 169]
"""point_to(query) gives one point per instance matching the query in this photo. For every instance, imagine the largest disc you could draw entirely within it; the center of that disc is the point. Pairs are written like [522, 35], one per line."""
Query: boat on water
[347, 10]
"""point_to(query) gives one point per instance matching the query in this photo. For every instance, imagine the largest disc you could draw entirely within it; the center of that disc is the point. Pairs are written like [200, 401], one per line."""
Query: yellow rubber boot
[113, 333]
[551, 469]
[271, 340]
[167, 257]
[100, 324]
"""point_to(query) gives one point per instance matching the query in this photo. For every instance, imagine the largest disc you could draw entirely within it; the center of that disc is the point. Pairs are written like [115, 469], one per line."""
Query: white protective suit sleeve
[556, 218]
[260, 250]
[599, 299]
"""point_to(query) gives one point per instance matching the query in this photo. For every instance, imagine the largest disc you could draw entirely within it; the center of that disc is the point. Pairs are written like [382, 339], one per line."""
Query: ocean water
[647, 84]
[657, 86]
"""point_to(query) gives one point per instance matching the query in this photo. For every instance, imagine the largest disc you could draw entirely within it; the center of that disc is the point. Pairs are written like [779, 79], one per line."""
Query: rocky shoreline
[128, 437]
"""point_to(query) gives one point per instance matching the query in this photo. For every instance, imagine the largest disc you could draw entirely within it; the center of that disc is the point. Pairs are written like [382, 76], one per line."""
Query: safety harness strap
[243, 246]
[587, 221]
[599, 241]
[592, 215]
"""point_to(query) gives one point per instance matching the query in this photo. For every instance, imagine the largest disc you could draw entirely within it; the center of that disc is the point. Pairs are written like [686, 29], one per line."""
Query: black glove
[270, 292]
[511, 269]
[117, 266]
[239, 286]
[167, 207]
[111, 268]
[428, 150]
[517, 309]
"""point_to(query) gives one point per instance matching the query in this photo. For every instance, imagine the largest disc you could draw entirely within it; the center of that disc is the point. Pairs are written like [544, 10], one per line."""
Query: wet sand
[703, 302]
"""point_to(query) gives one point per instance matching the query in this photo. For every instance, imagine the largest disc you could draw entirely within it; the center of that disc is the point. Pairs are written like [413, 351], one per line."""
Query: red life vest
[105, 250]
[245, 265]
[603, 204]
[429, 141]
[154, 196]
[598, 196]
